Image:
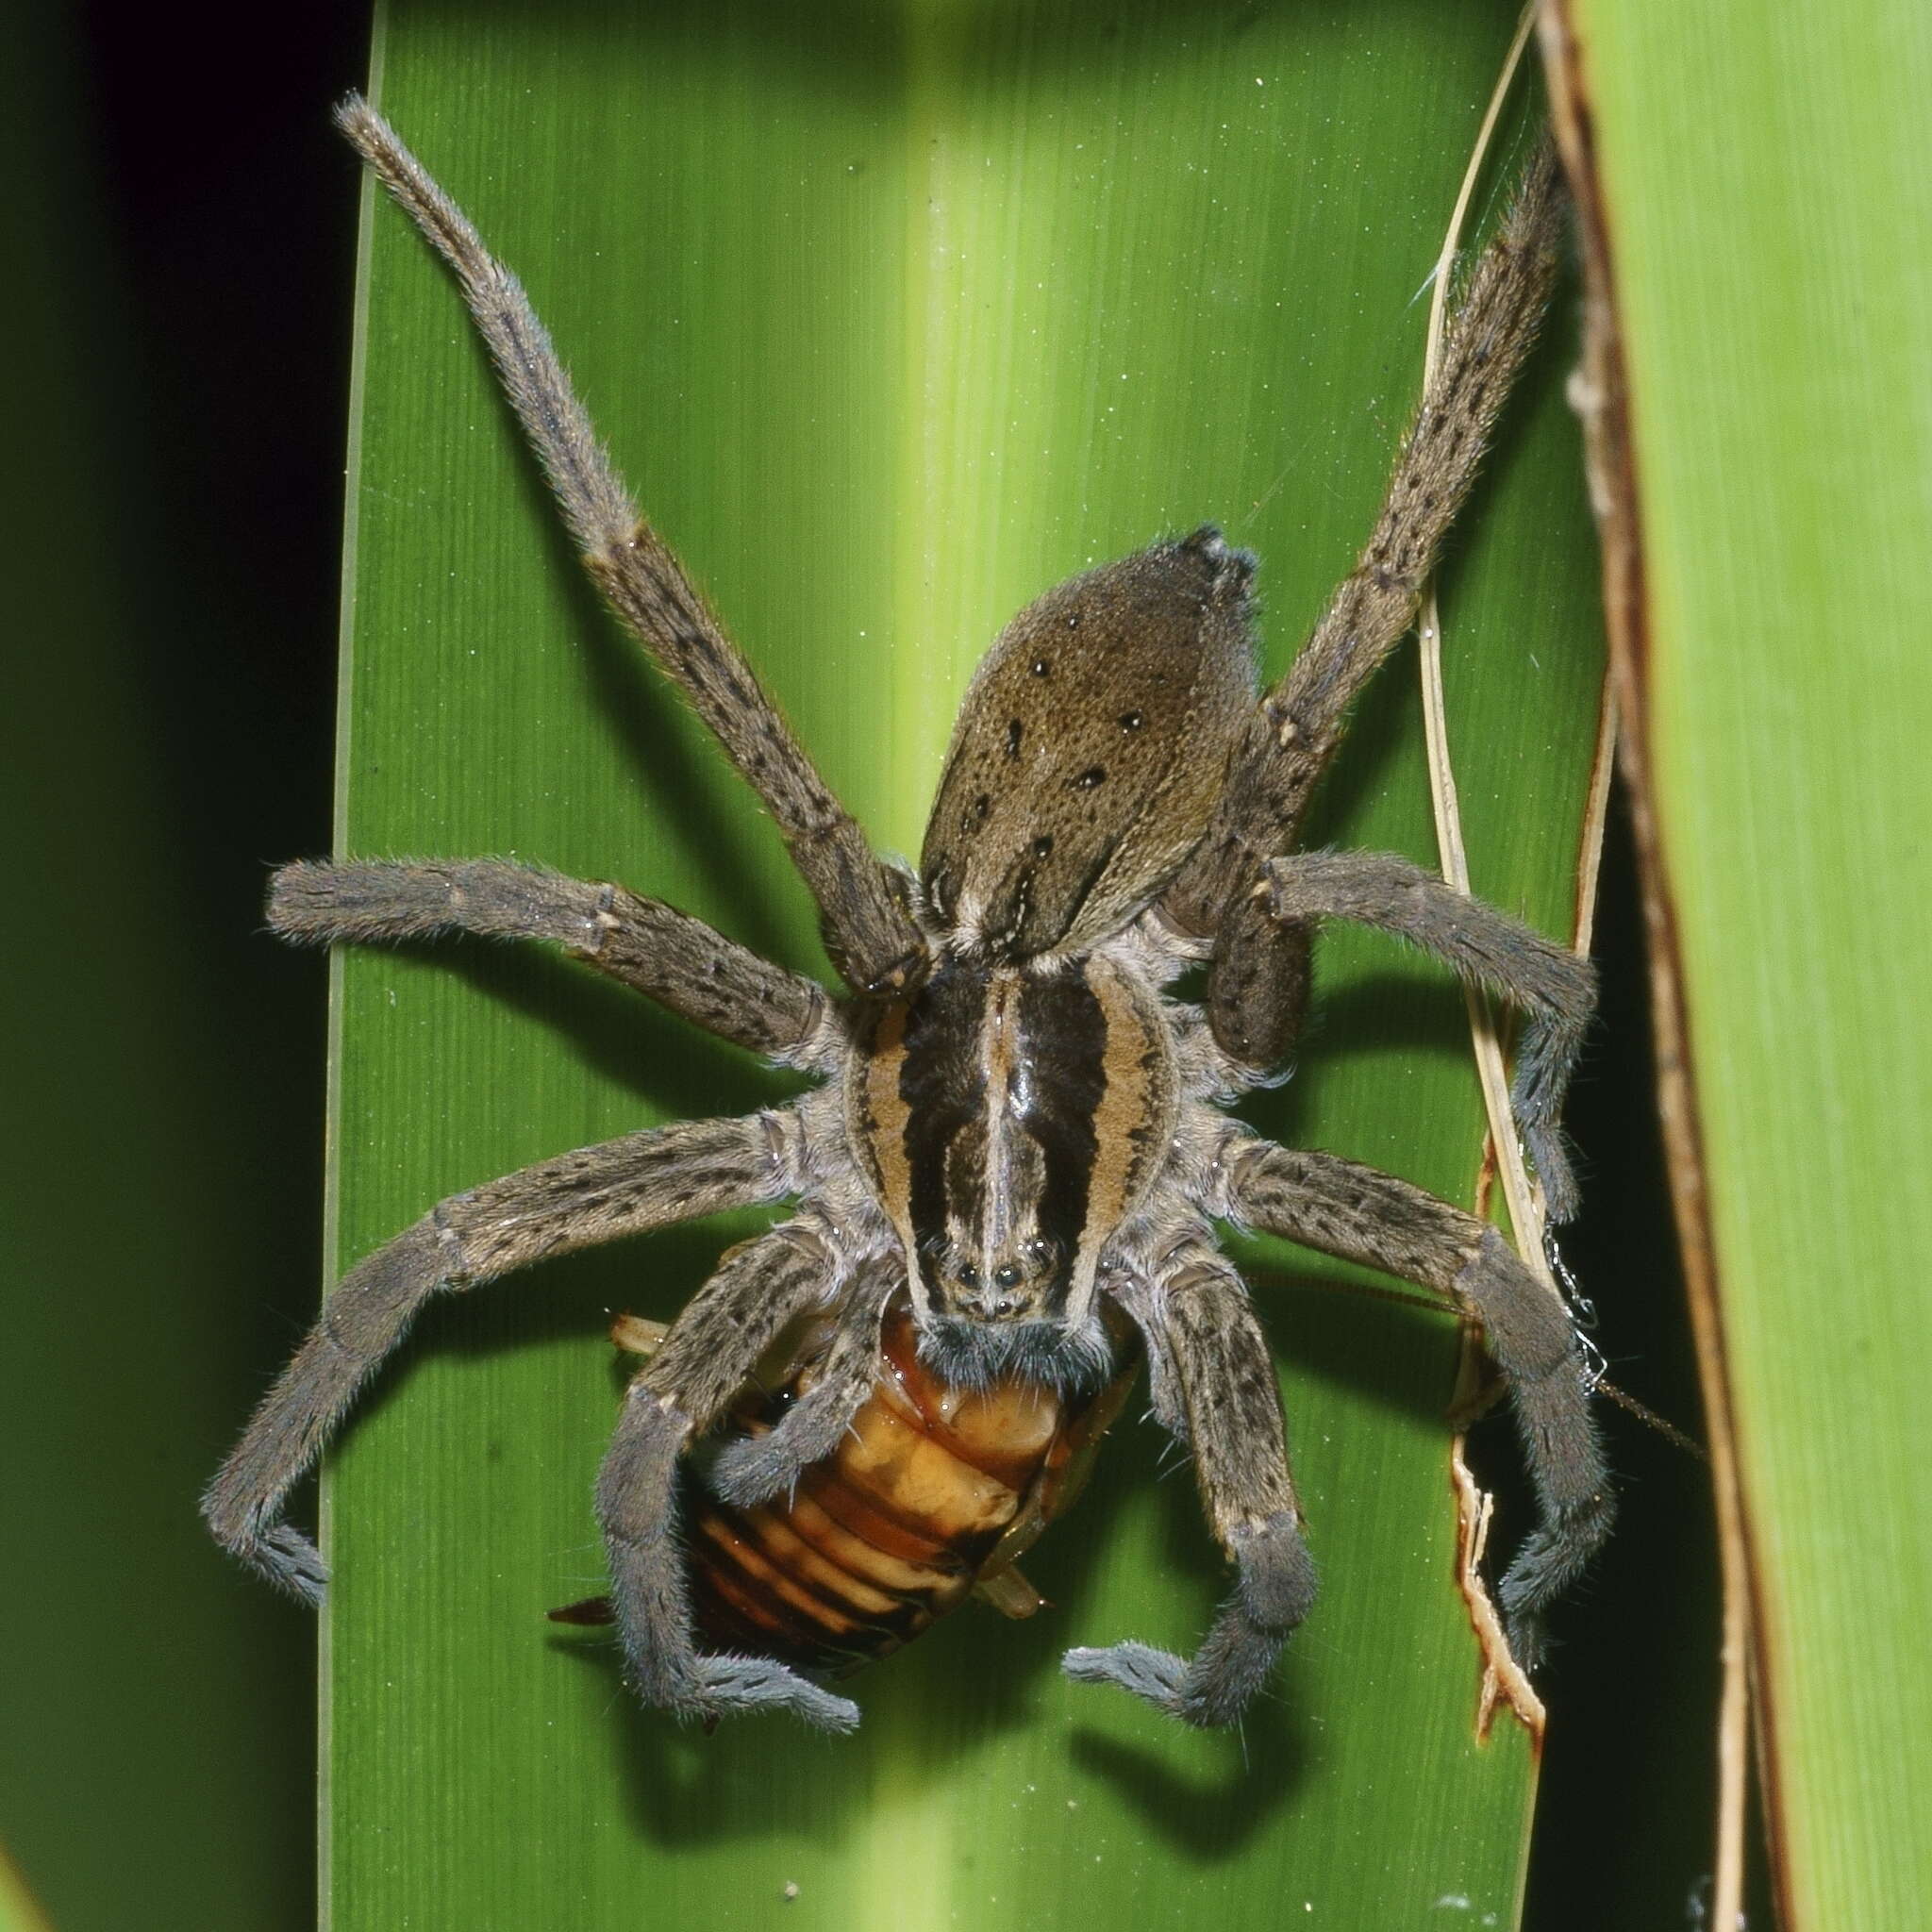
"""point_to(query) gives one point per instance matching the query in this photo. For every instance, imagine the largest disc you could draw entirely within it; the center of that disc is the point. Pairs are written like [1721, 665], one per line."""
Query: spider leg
[758, 1468]
[1293, 733]
[869, 931]
[1360, 1214]
[711, 1347]
[1553, 985]
[665, 953]
[620, 1187]
[1200, 1328]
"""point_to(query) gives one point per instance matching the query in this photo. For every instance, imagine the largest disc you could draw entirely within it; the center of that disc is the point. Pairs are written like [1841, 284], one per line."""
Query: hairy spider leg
[685, 1386]
[868, 928]
[649, 946]
[1221, 1395]
[1258, 978]
[639, 1181]
[1553, 985]
[755, 1469]
[1359, 1214]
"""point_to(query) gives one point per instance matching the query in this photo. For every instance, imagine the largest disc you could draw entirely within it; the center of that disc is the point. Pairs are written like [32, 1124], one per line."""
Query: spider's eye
[968, 1274]
[1007, 1277]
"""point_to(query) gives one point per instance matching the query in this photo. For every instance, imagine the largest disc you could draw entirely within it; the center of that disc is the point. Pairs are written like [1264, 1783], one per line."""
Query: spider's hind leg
[1293, 732]
[1201, 1329]
[1257, 980]
[867, 923]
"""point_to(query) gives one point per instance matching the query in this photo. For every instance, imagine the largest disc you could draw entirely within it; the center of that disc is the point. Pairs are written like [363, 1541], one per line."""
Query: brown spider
[1017, 1131]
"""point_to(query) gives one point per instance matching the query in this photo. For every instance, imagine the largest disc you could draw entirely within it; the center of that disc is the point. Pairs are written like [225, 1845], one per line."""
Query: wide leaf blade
[895, 318]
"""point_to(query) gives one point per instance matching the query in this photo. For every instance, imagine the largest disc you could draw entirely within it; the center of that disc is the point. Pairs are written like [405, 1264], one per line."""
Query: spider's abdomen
[1009, 1121]
[931, 1489]
[1089, 751]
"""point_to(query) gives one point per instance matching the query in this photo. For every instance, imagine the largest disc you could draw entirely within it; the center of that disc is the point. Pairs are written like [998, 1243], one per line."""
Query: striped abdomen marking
[928, 1489]
[1009, 1121]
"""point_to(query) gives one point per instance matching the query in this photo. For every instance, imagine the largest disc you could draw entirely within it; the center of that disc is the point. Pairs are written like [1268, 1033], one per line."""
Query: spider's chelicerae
[1017, 1134]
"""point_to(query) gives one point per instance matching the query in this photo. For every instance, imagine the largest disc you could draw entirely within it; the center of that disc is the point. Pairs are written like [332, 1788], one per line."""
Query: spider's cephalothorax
[1017, 1148]
[1008, 1120]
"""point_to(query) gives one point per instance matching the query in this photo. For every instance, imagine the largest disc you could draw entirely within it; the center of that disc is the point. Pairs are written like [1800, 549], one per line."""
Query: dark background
[180, 255]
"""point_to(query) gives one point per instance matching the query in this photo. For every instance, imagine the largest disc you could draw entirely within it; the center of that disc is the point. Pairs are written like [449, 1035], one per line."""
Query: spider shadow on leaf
[1401, 1360]
[974, 1677]
[664, 1061]
[1208, 1809]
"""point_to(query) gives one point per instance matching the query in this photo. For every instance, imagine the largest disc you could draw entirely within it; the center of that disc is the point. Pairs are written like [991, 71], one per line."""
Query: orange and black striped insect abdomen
[933, 1491]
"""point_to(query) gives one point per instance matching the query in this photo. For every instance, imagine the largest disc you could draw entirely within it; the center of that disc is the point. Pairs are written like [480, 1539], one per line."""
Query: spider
[1018, 1132]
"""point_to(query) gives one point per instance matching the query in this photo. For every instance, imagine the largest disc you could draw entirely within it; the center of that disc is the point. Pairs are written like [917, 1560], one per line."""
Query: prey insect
[1017, 1150]
[930, 1492]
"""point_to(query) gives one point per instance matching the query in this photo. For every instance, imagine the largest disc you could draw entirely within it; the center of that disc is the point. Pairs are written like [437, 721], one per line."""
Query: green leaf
[1767, 199]
[893, 318]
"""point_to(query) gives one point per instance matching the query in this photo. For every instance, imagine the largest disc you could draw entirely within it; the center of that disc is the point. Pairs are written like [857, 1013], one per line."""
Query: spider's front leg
[1258, 978]
[688, 1384]
[627, 1186]
[1210, 1353]
[1360, 1214]
[868, 925]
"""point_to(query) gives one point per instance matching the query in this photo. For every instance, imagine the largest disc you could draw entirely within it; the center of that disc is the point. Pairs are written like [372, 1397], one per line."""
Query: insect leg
[1553, 985]
[1362, 1215]
[1199, 1326]
[620, 1187]
[1293, 733]
[711, 1347]
[868, 928]
[753, 1471]
[665, 953]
